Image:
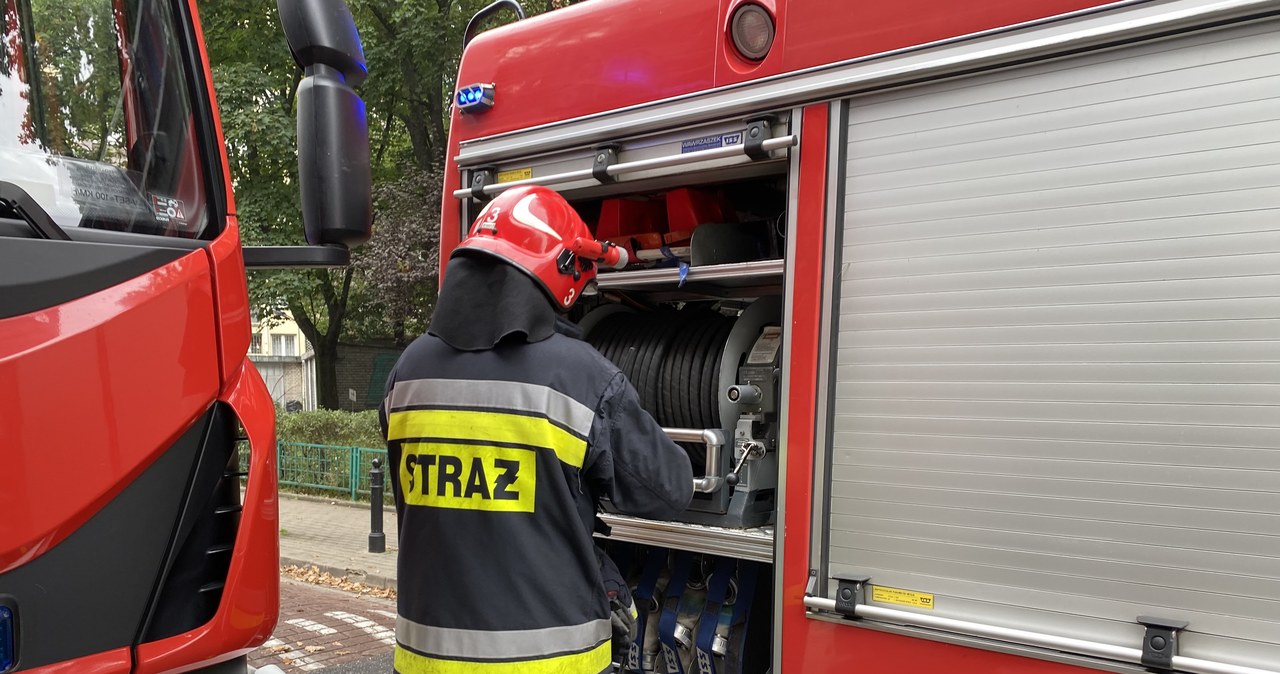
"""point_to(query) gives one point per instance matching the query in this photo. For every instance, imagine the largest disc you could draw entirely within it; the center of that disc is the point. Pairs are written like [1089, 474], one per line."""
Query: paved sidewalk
[334, 536]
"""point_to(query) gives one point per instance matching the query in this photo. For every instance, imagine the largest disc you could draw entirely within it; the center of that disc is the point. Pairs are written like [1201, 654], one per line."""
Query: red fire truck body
[1000, 384]
[129, 400]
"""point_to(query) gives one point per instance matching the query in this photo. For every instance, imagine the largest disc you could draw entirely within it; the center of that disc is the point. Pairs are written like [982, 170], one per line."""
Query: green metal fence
[327, 469]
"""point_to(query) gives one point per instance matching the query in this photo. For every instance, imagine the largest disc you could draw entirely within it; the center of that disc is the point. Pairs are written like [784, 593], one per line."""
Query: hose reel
[682, 364]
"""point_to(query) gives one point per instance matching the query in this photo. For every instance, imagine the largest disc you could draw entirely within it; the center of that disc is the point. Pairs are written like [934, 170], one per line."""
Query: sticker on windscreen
[168, 210]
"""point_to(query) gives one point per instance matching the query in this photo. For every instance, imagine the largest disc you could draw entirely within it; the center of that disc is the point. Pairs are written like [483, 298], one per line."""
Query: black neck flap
[485, 302]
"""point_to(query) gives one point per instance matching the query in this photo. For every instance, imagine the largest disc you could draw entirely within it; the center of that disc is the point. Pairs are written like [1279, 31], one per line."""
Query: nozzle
[603, 253]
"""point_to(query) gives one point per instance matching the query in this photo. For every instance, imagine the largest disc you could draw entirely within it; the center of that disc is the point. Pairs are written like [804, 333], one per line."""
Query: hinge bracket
[1160, 643]
[851, 592]
[605, 156]
[481, 178]
[758, 131]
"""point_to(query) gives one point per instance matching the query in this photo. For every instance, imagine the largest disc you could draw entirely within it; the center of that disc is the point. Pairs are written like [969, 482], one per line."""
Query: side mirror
[333, 130]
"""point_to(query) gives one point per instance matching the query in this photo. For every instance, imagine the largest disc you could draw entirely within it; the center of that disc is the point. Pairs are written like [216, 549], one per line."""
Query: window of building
[255, 344]
[284, 345]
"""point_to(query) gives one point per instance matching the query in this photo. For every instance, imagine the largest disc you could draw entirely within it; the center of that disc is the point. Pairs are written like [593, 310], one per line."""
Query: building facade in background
[286, 361]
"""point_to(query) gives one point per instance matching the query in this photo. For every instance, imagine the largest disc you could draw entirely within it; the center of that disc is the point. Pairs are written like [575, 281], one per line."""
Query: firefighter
[503, 430]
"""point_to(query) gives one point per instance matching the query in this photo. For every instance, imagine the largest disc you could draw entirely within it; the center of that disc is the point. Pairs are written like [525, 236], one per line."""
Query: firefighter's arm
[644, 473]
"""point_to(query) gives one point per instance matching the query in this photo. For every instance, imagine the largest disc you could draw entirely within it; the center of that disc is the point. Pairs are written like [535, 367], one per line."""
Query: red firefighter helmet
[534, 229]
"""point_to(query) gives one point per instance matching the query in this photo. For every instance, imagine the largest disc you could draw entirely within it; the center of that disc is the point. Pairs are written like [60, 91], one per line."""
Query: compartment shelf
[743, 275]
[754, 544]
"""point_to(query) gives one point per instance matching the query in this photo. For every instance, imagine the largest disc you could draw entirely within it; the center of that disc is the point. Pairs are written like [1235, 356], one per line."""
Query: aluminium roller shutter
[1057, 362]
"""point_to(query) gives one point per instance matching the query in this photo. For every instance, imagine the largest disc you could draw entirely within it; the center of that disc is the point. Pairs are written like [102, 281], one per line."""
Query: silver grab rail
[624, 168]
[1051, 641]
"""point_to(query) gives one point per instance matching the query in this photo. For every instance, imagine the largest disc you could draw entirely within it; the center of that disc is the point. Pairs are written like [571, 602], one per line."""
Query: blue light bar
[8, 654]
[475, 98]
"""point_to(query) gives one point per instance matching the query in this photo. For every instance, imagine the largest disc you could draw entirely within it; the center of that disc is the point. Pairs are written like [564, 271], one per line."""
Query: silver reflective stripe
[448, 642]
[499, 395]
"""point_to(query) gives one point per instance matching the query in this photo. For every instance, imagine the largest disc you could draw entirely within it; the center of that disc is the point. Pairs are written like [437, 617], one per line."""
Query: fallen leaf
[313, 575]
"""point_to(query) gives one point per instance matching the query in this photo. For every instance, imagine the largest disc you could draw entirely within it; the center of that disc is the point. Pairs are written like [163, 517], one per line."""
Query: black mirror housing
[333, 129]
[323, 32]
[333, 162]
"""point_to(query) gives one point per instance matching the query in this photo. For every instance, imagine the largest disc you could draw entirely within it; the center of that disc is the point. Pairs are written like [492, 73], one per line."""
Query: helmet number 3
[568, 299]
[490, 220]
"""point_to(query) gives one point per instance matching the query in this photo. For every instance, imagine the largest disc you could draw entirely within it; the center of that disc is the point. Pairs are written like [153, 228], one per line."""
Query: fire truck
[966, 313]
[126, 545]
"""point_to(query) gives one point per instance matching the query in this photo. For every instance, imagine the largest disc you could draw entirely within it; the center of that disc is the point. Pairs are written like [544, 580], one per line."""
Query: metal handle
[473, 25]
[713, 438]
[1051, 641]
[752, 449]
[633, 166]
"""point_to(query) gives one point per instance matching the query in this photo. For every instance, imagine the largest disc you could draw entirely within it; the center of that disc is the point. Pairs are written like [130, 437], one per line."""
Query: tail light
[752, 30]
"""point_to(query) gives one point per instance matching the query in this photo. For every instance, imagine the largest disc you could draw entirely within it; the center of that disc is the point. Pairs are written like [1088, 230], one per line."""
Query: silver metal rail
[713, 438]
[624, 168]
[755, 544]
[1092, 648]
[666, 277]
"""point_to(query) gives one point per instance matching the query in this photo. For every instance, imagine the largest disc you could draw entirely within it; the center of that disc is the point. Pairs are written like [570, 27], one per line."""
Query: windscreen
[95, 116]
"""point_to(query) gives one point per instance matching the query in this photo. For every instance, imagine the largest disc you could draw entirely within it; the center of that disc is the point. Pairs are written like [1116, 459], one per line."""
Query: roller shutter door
[1057, 362]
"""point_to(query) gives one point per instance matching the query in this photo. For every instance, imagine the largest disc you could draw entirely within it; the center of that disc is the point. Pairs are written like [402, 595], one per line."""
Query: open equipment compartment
[696, 323]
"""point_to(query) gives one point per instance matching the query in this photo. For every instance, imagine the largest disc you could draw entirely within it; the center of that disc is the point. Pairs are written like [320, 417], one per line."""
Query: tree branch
[292, 93]
[386, 133]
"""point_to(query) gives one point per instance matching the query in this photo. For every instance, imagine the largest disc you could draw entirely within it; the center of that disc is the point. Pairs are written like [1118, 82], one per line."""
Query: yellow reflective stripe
[587, 662]
[489, 427]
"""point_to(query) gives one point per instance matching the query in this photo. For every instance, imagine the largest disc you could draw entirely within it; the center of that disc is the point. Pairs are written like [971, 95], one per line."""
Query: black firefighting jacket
[497, 458]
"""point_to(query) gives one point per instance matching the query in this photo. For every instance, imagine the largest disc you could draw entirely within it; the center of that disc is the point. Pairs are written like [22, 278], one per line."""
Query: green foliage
[397, 269]
[331, 427]
[80, 78]
[412, 49]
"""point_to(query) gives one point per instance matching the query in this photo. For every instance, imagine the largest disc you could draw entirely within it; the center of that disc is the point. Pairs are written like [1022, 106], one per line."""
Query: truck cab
[139, 527]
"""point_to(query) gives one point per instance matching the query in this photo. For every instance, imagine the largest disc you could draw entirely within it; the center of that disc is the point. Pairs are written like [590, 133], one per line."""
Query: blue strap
[742, 608]
[717, 588]
[653, 567]
[671, 611]
[681, 265]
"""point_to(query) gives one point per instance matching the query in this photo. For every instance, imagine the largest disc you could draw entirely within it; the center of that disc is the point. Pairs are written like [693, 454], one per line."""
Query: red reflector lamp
[752, 30]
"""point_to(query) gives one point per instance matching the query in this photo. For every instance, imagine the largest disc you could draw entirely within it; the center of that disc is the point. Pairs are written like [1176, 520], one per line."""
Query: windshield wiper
[16, 199]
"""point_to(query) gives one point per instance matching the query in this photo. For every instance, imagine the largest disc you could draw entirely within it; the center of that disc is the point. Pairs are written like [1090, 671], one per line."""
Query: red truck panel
[250, 607]
[97, 388]
[580, 60]
[605, 55]
[110, 662]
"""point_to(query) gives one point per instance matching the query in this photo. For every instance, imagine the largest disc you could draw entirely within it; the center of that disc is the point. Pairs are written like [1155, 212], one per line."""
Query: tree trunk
[327, 377]
[325, 344]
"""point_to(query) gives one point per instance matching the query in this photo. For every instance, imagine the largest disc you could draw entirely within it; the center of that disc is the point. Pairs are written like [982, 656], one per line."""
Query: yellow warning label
[892, 595]
[514, 175]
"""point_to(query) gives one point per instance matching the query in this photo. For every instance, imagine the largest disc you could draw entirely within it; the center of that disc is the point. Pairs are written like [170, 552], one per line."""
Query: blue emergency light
[8, 654]
[474, 98]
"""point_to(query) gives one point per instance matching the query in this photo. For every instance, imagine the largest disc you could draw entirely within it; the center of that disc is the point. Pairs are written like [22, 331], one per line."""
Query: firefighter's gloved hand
[622, 608]
[623, 619]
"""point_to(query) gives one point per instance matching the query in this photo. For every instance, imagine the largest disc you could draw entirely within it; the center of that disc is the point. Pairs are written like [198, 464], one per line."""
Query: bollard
[377, 539]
